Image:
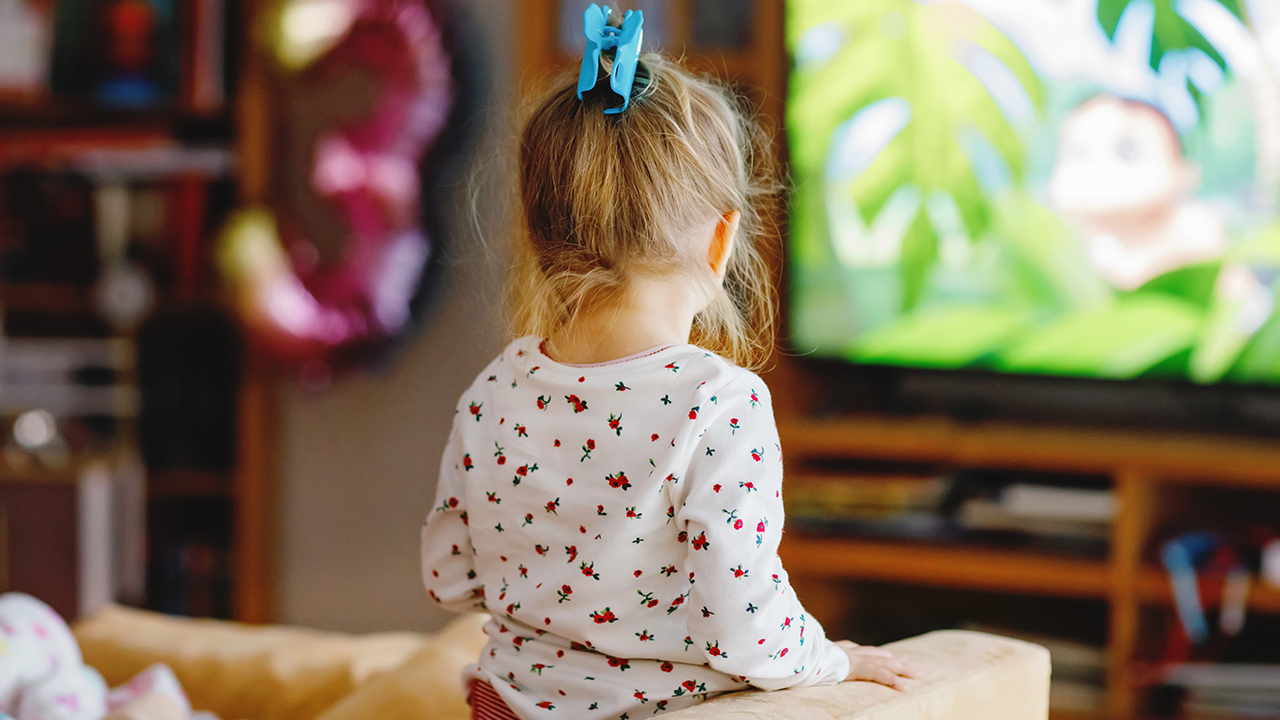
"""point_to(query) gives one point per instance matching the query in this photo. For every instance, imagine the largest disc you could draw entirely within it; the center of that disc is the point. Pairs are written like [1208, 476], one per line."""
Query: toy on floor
[43, 675]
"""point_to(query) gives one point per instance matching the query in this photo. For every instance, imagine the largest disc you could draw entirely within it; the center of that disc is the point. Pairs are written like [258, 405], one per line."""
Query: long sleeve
[744, 616]
[448, 560]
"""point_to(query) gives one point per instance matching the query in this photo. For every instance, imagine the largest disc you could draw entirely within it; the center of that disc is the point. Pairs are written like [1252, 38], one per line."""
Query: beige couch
[278, 673]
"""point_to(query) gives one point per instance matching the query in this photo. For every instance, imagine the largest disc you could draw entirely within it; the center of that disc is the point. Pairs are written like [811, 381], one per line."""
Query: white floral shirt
[620, 523]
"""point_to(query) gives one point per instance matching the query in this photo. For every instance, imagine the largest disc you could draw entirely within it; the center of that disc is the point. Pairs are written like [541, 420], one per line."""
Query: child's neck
[647, 314]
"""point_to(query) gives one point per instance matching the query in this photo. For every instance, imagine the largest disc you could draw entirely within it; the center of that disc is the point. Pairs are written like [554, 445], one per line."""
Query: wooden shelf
[958, 567]
[53, 148]
[1153, 587]
[1168, 456]
[188, 484]
[982, 569]
[53, 298]
[84, 113]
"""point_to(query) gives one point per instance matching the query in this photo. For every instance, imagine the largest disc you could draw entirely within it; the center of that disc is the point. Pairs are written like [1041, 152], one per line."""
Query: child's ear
[722, 239]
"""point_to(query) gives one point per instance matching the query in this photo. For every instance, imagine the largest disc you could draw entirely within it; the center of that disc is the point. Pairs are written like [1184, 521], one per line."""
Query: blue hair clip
[625, 41]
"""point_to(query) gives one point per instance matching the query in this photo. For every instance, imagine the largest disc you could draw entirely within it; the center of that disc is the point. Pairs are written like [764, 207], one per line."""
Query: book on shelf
[961, 508]
[97, 53]
[878, 504]
[867, 494]
[1204, 690]
[204, 32]
[68, 377]
[25, 38]
[1036, 501]
[991, 515]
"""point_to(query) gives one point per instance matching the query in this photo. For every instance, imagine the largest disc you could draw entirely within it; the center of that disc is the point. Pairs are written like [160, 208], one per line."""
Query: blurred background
[1026, 381]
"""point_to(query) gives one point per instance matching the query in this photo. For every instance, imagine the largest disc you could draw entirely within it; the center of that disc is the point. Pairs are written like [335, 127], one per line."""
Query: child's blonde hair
[606, 197]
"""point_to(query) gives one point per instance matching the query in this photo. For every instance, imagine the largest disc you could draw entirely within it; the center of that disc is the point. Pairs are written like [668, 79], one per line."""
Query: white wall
[358, 463]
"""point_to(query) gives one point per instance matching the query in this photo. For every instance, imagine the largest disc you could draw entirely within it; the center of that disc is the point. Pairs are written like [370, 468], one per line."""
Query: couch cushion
[241, 671]
[963, 676]
[429, 685]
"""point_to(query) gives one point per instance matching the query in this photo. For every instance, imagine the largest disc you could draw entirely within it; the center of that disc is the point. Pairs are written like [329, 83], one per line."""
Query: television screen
[1053, 187]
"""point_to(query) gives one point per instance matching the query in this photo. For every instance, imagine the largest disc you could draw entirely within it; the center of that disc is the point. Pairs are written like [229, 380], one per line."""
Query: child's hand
[876, 664]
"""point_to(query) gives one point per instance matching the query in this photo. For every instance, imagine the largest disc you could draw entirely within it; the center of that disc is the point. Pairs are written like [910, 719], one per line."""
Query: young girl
[611, 491]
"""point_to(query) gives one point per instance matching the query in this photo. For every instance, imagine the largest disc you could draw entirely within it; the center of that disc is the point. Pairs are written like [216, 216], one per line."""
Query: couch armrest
[963, 676]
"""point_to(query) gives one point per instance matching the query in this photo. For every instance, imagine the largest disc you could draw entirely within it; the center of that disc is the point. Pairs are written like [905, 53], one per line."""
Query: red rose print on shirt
[604, 616]
[475, 410]
[618, 481]
[579, 405]
[523, 472]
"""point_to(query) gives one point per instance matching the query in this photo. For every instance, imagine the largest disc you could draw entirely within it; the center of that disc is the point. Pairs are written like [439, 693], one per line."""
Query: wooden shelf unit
[1141, 463]
[43, 135]
[945, 565]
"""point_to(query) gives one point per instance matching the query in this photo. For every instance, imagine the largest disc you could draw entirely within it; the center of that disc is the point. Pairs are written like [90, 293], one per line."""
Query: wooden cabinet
[1150, 472]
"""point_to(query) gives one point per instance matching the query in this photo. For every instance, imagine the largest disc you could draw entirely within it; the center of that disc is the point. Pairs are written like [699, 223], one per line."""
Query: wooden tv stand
[1144, 466]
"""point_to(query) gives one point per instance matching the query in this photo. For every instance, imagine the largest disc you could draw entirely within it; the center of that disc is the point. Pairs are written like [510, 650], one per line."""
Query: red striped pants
[486, 704]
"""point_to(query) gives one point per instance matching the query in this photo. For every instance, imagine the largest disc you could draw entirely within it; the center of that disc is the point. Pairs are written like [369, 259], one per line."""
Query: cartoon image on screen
[1062, 187]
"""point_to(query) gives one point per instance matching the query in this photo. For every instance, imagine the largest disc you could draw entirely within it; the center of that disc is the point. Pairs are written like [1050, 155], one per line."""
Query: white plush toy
[43, 675]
